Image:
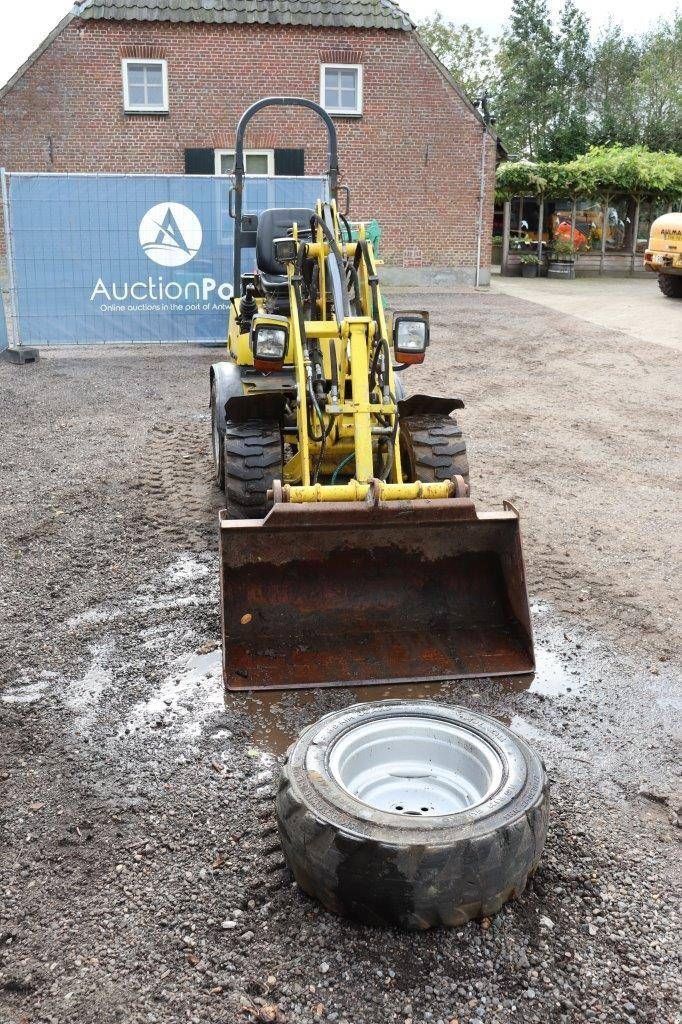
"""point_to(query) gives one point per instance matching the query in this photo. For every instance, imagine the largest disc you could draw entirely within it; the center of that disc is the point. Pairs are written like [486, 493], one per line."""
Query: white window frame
[342, 67]
[137, 108]
[269, 153]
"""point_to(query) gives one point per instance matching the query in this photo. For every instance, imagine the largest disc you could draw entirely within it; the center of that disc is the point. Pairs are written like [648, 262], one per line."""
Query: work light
[269, 341]
[410, 337]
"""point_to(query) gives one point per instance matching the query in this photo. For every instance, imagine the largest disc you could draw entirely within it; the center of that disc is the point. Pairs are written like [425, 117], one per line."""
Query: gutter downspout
[479, 240]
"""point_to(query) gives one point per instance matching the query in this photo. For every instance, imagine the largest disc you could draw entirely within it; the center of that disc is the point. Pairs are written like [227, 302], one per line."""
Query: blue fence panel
[117, 258]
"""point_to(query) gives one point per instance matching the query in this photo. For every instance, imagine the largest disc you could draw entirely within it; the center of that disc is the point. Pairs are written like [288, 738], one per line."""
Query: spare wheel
[411, 813]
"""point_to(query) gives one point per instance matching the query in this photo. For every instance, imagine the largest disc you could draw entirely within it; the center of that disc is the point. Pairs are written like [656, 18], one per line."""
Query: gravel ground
[140, 874]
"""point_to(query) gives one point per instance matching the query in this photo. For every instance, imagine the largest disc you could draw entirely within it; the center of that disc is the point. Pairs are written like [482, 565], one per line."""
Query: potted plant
[496, 252]
[562, 258]
[529, 265]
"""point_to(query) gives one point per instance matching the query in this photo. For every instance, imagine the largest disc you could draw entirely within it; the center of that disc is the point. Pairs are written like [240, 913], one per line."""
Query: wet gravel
[140, 873]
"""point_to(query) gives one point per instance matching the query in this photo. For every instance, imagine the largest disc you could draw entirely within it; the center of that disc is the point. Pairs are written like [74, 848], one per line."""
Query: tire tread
[418, 886]
[252, 461]
[433, 448]
[670, 285]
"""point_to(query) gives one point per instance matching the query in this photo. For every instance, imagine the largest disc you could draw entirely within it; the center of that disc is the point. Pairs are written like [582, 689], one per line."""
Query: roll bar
[243, 238]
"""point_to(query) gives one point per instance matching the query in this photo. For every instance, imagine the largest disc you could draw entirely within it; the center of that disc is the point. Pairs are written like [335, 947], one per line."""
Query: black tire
[432, 448]
[386, 868]
[670, 285]
[217, 438]
[252, 461]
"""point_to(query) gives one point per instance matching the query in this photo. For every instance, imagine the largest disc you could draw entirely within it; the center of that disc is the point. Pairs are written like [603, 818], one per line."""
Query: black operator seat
[272, 224]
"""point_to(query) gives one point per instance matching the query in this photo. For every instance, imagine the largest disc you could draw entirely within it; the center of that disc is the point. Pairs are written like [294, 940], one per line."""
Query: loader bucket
[332, 594]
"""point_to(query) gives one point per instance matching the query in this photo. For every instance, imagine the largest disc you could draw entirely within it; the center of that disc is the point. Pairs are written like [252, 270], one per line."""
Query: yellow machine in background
[350, 549]
[664, 253]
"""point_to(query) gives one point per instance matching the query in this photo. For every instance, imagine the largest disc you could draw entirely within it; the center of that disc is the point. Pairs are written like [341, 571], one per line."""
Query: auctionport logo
[170, 234]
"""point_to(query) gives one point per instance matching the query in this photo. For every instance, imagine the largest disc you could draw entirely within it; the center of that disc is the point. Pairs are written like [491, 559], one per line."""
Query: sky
[22, 32]
[634, 15]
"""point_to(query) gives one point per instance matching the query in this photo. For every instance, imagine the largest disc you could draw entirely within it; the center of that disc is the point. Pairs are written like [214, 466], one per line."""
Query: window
[341, 88]
[256, 161]
[145, 86]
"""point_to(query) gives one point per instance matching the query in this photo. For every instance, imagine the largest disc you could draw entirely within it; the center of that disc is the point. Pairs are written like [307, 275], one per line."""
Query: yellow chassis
[664, 252]
[350, 343]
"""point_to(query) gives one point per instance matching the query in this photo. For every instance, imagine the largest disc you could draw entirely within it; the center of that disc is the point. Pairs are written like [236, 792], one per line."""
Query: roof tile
[333, 13]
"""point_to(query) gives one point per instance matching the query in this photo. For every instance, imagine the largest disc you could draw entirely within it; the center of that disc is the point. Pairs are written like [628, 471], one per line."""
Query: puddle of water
[405, 691]
[274, 712]
[553, 675]
[185, 569]
[193, 689]
[28, 691]
[170, 601]
[185, 584]
[191, 692]
[271, 711]
[270, 731]
[83, 696]
[517, 723]
[92, 616]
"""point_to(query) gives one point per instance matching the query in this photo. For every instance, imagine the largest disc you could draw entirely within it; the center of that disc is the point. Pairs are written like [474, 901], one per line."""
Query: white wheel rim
[416, 766]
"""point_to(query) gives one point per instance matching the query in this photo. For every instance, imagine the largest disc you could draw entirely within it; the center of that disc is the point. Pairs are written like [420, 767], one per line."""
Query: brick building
[158, 86]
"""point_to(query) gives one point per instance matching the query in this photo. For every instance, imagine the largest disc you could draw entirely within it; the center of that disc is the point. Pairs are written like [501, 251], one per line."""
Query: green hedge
[602, 171]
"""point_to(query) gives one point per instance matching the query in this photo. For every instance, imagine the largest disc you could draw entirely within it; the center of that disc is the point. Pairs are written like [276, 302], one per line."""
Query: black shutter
[199, 161]
[290, 162]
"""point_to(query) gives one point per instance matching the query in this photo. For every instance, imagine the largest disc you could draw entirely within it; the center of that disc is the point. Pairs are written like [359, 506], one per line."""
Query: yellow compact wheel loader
[663, 255]
[351, 551]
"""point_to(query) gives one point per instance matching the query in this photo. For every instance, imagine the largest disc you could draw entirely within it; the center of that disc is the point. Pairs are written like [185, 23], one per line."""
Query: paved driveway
[634, 306]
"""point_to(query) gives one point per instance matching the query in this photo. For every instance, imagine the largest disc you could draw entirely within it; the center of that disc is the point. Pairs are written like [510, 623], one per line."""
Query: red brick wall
[412, 160]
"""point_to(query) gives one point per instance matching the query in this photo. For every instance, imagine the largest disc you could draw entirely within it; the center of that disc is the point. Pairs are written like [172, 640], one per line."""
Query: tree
[615, 92]
[468, 53]
[602, 172]
[527, 97]
[660, 86]
[573, 55]
[555, 93]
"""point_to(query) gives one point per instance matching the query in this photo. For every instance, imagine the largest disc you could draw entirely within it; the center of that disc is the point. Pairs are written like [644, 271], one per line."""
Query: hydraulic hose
[390, 452]
[346, 226]
[380, 348]
[314, 287]
[320, 438]
[341, 465]
[329, 236]
[296, 284]
[334, 368]
[372, 277]
[355, 280]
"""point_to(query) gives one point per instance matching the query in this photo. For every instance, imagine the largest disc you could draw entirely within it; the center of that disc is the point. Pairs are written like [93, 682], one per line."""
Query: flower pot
[561, 269]
[529, 270]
